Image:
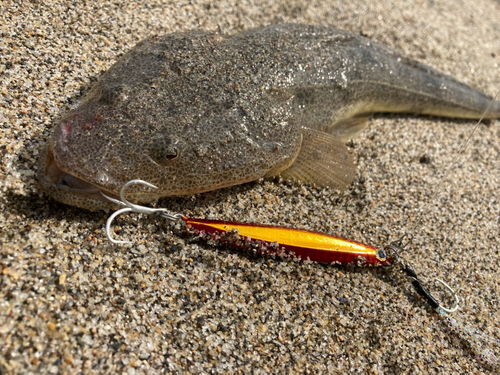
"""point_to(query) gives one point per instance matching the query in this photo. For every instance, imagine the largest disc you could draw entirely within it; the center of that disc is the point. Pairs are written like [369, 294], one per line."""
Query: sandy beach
[71, 301]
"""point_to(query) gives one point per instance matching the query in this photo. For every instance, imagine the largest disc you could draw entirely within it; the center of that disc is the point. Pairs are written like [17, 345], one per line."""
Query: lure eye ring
[381, 255]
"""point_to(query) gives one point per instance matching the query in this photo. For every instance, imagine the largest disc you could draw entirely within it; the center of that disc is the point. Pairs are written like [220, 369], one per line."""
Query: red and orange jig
[266, 239]
[282, 241]
[287, 242]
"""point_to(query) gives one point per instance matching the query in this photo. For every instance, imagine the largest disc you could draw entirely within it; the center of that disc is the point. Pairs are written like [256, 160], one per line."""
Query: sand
[71, 301]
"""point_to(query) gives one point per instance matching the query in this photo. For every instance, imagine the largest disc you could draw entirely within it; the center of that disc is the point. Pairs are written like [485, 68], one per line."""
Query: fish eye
[164, 151]
[173, 154]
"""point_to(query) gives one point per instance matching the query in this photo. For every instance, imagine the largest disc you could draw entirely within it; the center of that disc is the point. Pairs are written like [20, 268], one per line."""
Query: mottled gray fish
[197, 111]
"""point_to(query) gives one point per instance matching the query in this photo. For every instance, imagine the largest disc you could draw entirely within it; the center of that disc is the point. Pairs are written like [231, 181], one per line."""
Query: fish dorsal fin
[323, 160]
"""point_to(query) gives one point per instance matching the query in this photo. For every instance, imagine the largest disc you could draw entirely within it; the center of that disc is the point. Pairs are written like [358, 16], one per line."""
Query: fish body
[197, 111]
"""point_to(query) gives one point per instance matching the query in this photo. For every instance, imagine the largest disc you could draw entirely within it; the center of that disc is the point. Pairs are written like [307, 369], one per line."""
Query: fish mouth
[65, 181]
[68, 188]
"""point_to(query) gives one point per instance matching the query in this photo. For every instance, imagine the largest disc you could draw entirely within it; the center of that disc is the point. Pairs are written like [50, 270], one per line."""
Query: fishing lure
[266, 239]
[282, 241]
[312, 246]
[288, 242]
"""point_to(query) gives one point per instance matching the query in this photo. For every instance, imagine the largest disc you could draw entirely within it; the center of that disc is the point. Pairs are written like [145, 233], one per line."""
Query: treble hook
[419, 286]
[130, 207]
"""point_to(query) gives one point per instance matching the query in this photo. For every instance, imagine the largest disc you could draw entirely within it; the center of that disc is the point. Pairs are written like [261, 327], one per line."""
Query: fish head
[175, 112]
[182, 150]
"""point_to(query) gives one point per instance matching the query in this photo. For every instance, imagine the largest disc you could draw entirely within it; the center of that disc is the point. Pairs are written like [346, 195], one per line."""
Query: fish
[196, 111]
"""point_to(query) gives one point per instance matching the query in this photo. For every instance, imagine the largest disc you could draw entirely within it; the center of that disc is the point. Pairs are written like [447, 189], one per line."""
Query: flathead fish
[197, 111]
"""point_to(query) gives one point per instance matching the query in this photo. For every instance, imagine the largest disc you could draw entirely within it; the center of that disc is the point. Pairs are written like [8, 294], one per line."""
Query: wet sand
[71, 301]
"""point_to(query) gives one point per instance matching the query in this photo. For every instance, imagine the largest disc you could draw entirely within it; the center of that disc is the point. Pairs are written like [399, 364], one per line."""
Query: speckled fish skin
[197, 111]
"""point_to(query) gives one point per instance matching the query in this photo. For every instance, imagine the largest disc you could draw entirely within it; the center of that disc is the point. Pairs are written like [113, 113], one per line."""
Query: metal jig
[394, 247]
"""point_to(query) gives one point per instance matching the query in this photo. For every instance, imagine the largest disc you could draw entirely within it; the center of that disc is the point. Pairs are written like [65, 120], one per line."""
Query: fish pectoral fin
[323, 159]
[349, 128]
